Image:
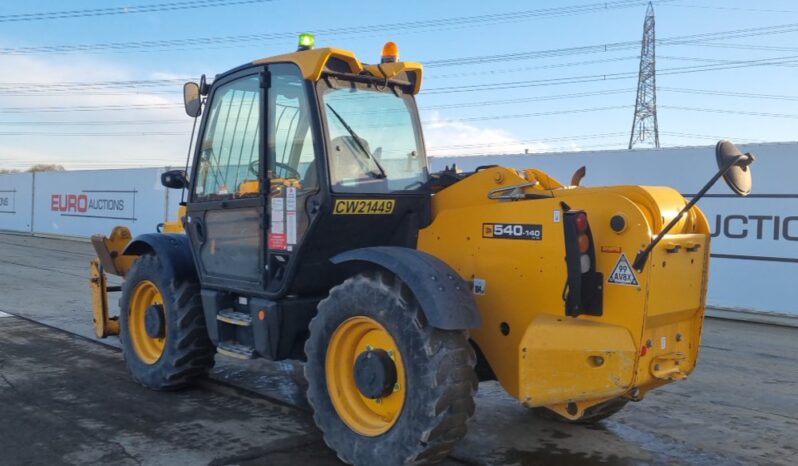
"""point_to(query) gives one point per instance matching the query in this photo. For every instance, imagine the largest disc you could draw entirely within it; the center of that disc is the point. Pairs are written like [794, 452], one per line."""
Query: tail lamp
[583, 288]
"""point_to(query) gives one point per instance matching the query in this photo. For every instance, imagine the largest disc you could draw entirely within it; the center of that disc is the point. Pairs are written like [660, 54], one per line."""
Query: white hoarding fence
[755, 238]
[754, 244]
[83, 203]
[16, 194]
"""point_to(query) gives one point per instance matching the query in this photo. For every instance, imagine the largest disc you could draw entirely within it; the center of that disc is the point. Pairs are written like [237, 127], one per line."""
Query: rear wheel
[592, 414]
[162, 328]
[385, 387]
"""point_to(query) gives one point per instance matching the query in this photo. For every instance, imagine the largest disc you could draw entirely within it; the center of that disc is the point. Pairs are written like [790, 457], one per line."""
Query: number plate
[512, 231]
[364, 206]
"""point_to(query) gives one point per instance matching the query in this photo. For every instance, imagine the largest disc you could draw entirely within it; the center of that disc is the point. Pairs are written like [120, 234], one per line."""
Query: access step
[234, 350]
[234, 317]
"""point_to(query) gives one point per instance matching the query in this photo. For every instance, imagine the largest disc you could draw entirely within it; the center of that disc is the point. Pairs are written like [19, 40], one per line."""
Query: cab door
[293, 168]
[226, 209]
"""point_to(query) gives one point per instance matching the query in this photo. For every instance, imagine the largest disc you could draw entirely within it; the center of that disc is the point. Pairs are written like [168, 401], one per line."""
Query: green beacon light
[306, 41]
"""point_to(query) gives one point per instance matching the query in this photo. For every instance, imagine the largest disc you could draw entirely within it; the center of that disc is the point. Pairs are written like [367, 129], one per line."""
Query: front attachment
[104, 325]
[109, 259]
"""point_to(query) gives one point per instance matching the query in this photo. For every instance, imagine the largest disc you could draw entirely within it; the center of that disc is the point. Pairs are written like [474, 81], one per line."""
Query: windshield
[374, 141]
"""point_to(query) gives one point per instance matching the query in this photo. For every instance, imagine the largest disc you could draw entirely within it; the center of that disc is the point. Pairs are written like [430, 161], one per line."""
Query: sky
[103, 91]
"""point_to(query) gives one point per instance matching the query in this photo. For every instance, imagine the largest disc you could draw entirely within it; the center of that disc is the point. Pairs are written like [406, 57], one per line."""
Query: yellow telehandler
[313, 230]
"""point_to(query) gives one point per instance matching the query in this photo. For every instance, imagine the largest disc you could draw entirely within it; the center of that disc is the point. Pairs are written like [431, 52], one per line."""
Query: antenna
[644, 124]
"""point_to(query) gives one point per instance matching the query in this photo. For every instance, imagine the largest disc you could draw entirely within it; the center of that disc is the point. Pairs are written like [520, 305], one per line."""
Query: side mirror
[174, 179]
[737, 174]
[191, 99]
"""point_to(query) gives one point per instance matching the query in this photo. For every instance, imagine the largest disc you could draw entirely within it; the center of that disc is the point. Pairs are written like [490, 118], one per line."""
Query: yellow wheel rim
[363, 415]
[147, 348]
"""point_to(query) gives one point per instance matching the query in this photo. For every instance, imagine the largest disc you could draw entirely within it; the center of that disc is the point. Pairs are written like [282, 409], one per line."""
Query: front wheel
[162, 327]
[385, 387]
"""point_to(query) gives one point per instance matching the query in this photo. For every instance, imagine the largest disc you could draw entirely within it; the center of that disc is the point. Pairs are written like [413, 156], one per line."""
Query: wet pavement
[738, 408]
[67, 400]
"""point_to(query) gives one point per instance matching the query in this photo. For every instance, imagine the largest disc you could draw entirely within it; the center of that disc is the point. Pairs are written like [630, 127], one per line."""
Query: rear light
[580, 220]
[584, 243]
[584, 263]
[583, 289]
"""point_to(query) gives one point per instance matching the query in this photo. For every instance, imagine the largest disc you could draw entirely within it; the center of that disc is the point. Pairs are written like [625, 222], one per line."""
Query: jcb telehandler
[313, 230]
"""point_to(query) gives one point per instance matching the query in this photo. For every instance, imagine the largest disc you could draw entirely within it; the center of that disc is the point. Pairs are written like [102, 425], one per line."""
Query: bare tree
[46, 167]
[6, 171]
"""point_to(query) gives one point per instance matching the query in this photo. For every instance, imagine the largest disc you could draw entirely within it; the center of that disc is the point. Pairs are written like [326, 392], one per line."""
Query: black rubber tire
[439, 367]
[188, 351]
[592, 414]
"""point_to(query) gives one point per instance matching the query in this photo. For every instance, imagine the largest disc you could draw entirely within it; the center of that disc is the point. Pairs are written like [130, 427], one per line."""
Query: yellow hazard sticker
[364, 206]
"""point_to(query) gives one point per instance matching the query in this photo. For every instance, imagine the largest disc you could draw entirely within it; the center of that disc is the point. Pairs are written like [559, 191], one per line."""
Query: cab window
[292, 155]
[229, 154]
[374, 138]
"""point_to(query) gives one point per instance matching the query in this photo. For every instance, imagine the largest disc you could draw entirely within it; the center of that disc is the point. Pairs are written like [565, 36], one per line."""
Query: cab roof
[313, 62]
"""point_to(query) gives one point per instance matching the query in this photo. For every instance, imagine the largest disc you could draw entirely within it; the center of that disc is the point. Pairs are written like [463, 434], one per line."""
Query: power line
[95, 123]
[597, 48]
[426, 122]
[713, 60]
[487, 86]
[75, 85]
[548, 150]
[526, 115]
[769, 48]
[728, 93]
[123, 10]
[732, 112]
[706, 136]
[527, 141]
[89, 108]
[494, 102]
[92, 134]
[432, 24]
[730, 8]
[531, 68]
[610, 76]
[614, 46]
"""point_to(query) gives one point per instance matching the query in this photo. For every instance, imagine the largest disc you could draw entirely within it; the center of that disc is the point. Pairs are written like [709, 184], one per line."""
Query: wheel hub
[366, 378]
[375, 373]
[154, 321]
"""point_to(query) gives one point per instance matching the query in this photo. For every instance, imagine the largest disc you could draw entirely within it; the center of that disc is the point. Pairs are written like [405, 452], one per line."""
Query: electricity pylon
[644, 125]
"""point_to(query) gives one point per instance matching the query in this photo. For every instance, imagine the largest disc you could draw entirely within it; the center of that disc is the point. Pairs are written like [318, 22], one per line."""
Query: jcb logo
[512, 231]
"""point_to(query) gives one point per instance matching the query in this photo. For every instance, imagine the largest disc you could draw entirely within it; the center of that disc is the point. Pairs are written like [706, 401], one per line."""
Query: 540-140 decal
[512, 231]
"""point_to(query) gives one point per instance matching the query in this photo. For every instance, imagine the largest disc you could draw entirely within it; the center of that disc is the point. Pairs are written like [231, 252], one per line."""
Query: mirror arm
[642, 256]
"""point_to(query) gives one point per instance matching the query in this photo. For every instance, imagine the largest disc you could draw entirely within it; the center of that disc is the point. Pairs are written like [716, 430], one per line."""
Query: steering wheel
[254, 168]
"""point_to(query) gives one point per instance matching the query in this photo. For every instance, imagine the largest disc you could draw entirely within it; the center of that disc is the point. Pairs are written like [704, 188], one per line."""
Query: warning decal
[622, 273]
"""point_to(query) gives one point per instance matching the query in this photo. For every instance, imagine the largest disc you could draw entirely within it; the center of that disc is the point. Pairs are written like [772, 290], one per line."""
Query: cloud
[452, 137]
[27, 82]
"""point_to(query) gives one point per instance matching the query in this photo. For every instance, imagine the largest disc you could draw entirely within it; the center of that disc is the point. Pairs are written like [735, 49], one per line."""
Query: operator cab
[301, 157]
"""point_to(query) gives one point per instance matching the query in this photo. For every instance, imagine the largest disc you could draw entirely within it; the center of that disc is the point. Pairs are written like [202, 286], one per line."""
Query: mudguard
[443, 295]
[173, 249]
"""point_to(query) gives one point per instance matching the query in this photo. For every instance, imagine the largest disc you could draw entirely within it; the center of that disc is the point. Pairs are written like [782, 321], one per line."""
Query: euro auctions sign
[110, 204]
[84, 203]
